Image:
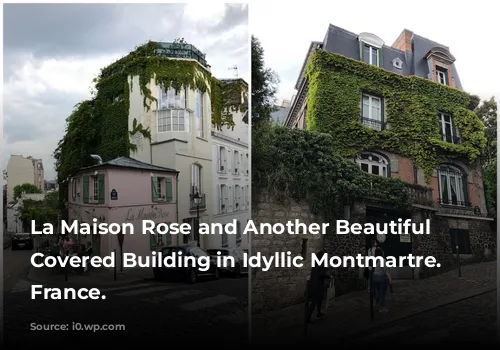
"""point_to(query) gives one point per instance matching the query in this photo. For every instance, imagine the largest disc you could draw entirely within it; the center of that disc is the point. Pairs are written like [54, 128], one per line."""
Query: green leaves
[411, 107]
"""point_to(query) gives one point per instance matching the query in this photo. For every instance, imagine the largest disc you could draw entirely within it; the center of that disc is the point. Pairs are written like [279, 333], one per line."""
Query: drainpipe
[177, 201]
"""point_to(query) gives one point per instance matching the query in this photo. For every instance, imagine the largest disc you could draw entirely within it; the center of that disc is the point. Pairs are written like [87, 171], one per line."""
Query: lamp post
[197, 201]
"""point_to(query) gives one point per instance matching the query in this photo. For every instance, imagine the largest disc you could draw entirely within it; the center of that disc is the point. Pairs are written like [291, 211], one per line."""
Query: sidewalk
[349, 315]
[92, 278]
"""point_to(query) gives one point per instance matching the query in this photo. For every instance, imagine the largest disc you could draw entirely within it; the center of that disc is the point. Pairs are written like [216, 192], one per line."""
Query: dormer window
[442, 75]
[371, 49]
[370, 55]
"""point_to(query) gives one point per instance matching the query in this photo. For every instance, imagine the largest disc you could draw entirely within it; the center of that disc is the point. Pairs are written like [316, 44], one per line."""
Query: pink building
[123, 190]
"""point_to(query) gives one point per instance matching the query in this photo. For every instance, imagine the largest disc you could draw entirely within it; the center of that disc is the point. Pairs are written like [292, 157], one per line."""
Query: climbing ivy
[298, 164]
[100, 125]
[411, 110]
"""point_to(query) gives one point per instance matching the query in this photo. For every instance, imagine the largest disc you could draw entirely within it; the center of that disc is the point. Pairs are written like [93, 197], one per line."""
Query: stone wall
[281, 287]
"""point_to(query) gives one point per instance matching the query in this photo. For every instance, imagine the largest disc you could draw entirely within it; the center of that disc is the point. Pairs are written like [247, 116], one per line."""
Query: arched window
[452, 185]
[373, 163]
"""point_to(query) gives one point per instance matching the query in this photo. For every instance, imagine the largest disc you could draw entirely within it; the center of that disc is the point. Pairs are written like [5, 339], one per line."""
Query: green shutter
[152, 241]
[168, 185]
[85, 189]
[154, 189]
[389, 169]
[102, 190]
[380, 57]
[361, 51]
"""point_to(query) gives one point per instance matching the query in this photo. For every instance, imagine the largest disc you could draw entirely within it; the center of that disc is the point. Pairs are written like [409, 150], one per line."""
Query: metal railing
[181, 50]
[446, 201]
[451, 139]
[373, 123]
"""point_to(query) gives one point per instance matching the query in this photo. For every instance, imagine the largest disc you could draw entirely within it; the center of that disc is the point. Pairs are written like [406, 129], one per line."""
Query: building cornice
[229, 139]
[297, 103]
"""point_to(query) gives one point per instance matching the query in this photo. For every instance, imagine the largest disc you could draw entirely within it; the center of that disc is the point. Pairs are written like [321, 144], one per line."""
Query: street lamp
[197, 201]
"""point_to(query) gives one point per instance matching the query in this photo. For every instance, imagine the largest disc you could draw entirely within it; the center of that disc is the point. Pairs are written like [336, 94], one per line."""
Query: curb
[362, 332]
[71, 284]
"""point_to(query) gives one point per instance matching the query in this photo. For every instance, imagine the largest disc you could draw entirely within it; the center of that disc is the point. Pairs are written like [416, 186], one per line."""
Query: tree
[264, 85]
[487, 112]
[490, 187]
[42, 212]
[26, 188]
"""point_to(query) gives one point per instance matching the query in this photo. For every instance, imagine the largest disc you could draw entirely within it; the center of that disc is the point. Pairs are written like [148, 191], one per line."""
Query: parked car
[22, 240]
[237, 254]
[190, 273]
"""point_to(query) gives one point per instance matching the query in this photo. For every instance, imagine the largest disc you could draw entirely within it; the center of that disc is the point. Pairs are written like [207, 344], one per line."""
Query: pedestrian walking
[370, 252]
[319, 276]
[381, 279]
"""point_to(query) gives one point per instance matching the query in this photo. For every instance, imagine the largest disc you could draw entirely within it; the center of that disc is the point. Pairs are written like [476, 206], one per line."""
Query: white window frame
[382, 163]
[222, 155]
[172, 106]
[95, 188]
[443, 123]
[196, 184]
[199, 114]
[442, 76]
[456, 176]
[371, 50]
[222, 198]
[237, 198]
[370, 106]
[236, 162]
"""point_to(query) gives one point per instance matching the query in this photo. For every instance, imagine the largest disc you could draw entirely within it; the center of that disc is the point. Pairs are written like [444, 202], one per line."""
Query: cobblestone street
[207, 309]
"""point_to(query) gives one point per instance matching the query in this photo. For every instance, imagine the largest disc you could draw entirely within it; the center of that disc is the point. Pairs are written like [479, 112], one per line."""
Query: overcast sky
[467, 28]
[53, 51]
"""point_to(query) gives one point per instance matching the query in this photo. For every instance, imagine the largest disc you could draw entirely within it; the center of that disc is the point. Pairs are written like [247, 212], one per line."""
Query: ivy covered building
[157, 105]
[400, 111]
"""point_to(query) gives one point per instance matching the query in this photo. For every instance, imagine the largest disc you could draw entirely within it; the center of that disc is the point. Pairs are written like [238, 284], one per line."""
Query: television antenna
[235, 70]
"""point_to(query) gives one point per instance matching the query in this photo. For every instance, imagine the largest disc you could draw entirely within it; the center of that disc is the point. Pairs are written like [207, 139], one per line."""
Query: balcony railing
[182, 50]
[420, 195]
[451, 139]
[194, 206]
[373, 123]
[452, 202]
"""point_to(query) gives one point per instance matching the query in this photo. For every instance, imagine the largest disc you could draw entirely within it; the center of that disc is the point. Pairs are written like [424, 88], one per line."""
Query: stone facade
[281, 287]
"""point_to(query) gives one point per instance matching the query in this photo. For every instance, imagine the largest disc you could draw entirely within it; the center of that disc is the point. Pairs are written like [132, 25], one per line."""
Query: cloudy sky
[53, 51]
[466, 28]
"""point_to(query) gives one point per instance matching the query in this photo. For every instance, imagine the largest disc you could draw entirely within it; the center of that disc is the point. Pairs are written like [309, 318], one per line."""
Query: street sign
[114, 195]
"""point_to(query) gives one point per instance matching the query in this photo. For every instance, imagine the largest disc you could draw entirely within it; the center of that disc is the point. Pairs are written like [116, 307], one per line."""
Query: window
[442, 75]
[371, 55]
[172, 112]
[73, 188]
[447, 128]
[196, 179]
[236, 162]
[248, 195]
[200, 123]
[236, 197]
[373, 164]
[247, 164]
[171, 99]
[461, 239]
[222, 198]
[238, 232]
[161, 189]
[372, 112]
[452, 186]
[222, 161]
[225, 240]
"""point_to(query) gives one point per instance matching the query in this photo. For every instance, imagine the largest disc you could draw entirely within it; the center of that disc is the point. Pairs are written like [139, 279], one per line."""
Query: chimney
[404, 41]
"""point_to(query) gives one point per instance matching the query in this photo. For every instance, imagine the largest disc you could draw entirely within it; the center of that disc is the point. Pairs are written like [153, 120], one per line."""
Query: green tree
[487, 112]
[490, 187]
[26, 188]
[264, 86]
[44, 211]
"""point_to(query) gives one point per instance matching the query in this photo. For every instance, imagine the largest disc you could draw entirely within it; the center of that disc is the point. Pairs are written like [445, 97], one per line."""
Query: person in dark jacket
[318, 277]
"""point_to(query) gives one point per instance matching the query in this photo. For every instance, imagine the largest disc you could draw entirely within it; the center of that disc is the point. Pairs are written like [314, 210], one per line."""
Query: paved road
[15, 266]
[470, 320]
[207, 309]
